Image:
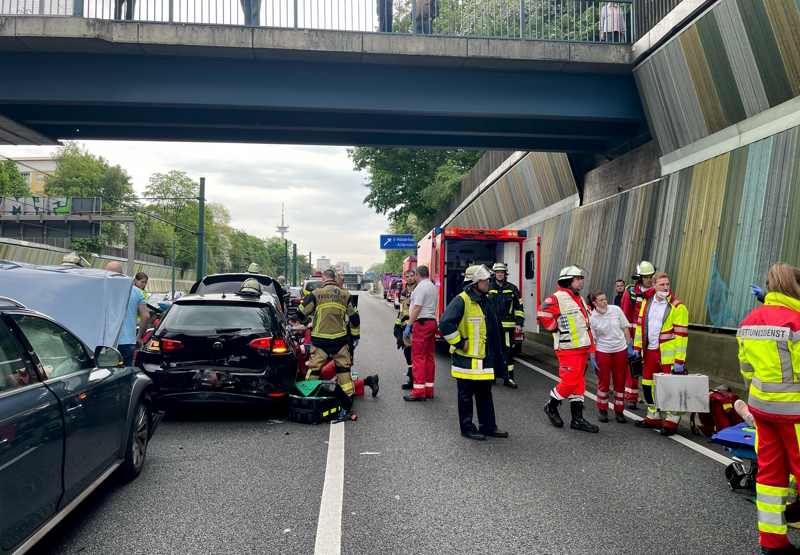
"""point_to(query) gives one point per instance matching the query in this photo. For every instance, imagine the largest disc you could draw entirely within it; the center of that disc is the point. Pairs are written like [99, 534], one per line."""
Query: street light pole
[201, 215]
[294, 265]
[173, 267]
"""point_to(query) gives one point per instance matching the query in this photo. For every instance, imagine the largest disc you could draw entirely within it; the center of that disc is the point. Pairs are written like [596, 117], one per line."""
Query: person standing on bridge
[470, 326]
[662, 333]
[400, 323]
[631, 305]
[385, 16]
[252, 12]
[612, 23]
[422, 320]
[769, 359]
[506, 301]
[330, 338]
[565, 314]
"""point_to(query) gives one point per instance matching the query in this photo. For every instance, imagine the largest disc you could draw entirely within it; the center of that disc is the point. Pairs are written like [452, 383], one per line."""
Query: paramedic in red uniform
[565, 314]
[422, 320]
[769, 358]
[631, 304]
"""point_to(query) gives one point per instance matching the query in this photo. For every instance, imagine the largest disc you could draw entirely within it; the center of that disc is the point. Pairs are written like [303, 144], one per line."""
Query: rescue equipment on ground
[680, 392]
[721, 413]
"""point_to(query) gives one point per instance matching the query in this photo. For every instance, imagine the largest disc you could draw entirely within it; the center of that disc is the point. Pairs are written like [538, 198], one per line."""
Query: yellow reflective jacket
[404, 313]
[464, 319]
[769, 356]
[674, 336]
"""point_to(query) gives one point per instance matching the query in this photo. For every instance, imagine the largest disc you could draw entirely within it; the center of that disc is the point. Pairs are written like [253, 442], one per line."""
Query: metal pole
[285, 257]
[171, 11]
[173, 268]
[310, 271]
[240, 262]
[131, 247]
[294, 265]
[201, 218]
[522, 19]
[295, 14]
[205, 258]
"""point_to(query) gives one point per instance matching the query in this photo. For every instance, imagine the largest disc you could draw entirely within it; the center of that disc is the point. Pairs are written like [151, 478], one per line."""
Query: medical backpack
[722, 414]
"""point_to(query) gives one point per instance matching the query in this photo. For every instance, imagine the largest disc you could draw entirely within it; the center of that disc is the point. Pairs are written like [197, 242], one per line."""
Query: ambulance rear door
[530, 282]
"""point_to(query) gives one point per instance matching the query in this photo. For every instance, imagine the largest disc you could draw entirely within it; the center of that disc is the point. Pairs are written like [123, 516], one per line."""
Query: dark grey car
[69, 418]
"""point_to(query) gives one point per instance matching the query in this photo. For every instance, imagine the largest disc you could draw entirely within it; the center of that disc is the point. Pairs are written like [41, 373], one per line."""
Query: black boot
[578, 422]
[630, 406]
[620, 418]
[372, 382]
[602, 415]
[508, 382]
[788, 550]
[408, 385]
[551, 410]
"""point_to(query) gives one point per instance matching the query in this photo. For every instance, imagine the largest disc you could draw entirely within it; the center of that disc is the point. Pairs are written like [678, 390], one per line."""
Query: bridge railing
[559, 20]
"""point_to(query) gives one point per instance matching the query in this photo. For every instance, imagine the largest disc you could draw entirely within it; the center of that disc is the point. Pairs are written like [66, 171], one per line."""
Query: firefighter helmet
[644, 268]
[254, 268]
[474, 274]
[572, 272]
[74, 259]
[250, 287]
[500, 267]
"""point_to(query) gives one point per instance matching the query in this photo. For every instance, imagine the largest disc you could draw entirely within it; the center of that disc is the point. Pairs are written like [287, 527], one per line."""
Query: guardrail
[560, 20]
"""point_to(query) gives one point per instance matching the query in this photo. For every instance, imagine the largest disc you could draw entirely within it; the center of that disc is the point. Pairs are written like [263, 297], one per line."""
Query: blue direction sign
[398, 242]
[369, 275]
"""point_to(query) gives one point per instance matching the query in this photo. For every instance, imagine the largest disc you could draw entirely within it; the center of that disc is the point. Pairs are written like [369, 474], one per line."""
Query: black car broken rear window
[220, 316]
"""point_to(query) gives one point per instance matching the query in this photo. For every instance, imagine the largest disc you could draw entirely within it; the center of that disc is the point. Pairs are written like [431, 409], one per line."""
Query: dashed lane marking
[329, 525]
[680, 439]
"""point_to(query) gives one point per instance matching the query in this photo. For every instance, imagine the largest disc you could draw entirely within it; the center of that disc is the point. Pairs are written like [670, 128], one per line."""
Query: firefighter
[471, 328]
[400, 324]
[330, 338]
[662, 333]
[769, 359]
[253, 268]
[631, 304]
[565, 314]
[74, 259]
[506, 300]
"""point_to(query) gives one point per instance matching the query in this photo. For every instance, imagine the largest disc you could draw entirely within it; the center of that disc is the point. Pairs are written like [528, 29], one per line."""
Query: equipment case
[313, 410]
[681, 393]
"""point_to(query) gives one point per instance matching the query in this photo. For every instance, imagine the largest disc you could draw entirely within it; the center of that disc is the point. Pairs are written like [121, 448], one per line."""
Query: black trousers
[407, 354]
[385, 16]
[482, 391]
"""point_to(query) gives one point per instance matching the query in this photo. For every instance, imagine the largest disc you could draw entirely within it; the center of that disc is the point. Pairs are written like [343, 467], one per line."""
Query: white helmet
[571, 272]
[474, 274]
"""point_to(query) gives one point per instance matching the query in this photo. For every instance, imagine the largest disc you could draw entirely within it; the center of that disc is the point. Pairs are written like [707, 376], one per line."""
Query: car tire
[137, 439]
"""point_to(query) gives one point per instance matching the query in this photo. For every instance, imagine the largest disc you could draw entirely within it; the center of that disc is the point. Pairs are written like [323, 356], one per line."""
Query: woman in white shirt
[612, 339]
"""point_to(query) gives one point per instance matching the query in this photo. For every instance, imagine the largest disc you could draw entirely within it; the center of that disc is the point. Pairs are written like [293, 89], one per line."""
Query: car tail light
[168, 345]
[277, 394]
[276, 345]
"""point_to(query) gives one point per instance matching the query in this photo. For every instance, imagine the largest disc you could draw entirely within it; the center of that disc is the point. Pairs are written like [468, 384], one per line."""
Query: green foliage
[12, 184]
[81, 174]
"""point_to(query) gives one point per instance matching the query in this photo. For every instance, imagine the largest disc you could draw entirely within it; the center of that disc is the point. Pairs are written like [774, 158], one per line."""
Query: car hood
[90, 303]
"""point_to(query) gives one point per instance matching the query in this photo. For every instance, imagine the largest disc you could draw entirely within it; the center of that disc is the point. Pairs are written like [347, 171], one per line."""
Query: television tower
[282, 227]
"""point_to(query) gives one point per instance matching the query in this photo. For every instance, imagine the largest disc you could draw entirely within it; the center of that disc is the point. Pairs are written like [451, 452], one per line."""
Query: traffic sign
[398, 242]
[369, 275]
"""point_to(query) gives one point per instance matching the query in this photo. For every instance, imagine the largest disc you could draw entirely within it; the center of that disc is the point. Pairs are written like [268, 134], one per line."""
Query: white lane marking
[329, 525]
[680, 439]
[370, 453]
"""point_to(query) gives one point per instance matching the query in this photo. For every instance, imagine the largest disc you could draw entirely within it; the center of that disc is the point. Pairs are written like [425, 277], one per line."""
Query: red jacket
[549, 312]
[632, 302]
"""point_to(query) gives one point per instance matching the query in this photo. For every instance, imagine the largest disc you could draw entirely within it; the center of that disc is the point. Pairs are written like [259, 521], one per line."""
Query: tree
[81, 174]
[12, 184]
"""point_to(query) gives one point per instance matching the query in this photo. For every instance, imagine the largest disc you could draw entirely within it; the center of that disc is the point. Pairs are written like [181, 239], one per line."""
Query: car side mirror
[107, 357]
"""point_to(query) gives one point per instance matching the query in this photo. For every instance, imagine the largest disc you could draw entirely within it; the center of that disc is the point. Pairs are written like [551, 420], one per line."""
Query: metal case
[681, 393]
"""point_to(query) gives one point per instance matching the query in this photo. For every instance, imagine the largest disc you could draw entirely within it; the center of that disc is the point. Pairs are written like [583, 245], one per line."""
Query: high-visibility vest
[507, 301]
[674, 334]
[468, 365]
[139, 318]
[573, 328]
[769, 355]
[331, 305]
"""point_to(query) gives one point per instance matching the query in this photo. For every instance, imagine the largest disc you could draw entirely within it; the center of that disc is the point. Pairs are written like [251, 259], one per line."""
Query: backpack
[722, 414]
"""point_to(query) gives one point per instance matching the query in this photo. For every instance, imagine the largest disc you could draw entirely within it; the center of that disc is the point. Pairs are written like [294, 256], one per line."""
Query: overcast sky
[323, 195]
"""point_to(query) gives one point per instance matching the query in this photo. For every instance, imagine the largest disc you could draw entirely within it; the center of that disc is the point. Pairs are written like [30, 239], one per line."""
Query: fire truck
[448, 252]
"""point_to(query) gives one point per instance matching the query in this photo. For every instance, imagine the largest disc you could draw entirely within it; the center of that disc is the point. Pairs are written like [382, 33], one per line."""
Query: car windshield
[296, 293]
[311, 285]
[220, 317]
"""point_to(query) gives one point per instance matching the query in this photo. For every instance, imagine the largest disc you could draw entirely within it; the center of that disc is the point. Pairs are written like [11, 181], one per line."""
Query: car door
[91, 400]
[31, 446]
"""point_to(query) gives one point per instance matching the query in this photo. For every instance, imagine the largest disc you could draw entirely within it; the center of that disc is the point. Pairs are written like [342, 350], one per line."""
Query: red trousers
[571, 368]
[423, 365]
[328, 372]
[612, 365]
[778, 456]
[631, 388]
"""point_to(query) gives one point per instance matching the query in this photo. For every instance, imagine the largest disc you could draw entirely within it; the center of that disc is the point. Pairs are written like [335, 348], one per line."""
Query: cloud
[322, 194]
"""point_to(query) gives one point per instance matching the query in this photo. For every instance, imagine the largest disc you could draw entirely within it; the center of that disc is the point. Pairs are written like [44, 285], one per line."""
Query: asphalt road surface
[243, 482]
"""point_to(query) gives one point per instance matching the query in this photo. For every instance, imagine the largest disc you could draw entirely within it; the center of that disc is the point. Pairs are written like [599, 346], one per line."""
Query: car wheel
[137, 443]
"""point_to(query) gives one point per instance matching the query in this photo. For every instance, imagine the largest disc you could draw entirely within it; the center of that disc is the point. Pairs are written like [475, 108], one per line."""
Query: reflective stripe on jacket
[674, 334]
[566, 315]
[404, 313]
[464, 319]
[506, 301]
[330, 305]
[769, 356]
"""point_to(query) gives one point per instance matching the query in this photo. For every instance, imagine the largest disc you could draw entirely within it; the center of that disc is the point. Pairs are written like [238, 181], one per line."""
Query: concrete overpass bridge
[79, 78]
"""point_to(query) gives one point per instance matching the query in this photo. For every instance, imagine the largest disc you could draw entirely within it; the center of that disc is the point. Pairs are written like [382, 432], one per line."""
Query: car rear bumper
[205, 398]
